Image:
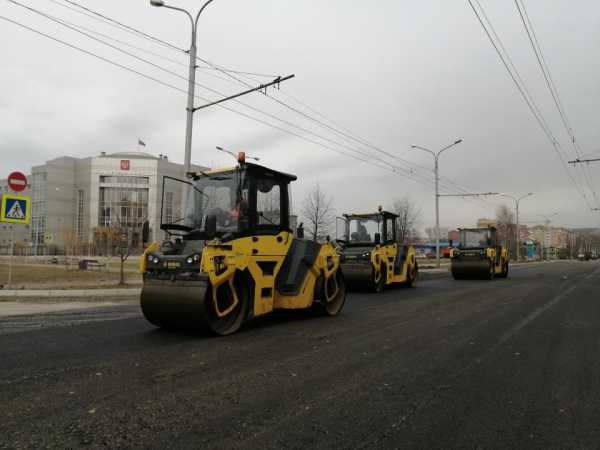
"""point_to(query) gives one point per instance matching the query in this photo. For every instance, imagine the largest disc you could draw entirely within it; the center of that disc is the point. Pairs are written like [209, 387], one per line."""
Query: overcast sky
[394, 73]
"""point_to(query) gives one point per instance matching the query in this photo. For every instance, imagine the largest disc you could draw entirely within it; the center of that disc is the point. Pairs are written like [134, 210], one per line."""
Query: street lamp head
[458, 142]
[157, 3]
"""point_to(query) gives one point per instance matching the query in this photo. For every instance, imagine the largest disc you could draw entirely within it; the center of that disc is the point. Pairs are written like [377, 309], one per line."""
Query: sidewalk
[58, 295]
[8, 309]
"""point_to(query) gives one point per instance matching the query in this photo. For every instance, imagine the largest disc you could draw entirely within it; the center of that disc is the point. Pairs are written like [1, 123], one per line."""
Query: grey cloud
[395, 73]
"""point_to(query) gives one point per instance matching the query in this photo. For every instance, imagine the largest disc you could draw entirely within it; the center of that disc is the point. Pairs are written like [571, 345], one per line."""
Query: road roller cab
[230, 253]
[370, 254]
[479, 255]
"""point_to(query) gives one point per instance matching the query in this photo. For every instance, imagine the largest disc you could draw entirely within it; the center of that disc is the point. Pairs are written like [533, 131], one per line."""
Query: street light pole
[437, 212]
[437, 194]
[191, 78]
[517, 201]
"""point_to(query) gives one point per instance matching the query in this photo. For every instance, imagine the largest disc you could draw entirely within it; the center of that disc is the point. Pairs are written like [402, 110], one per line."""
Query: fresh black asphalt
[509, 363]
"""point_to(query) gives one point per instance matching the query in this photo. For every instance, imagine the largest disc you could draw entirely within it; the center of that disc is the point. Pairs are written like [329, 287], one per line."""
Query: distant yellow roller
[370, 254]
[478, 255]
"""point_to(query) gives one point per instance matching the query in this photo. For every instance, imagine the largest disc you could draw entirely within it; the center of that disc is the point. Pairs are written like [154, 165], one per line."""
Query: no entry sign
[17, 181]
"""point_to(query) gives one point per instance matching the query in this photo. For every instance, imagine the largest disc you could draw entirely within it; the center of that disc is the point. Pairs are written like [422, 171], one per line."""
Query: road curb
[58, 295]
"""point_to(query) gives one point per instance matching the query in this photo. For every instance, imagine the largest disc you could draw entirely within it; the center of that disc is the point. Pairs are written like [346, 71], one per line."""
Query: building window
[117, 179]
[168, 207]
[80, 214]
[38, 207]
[126, 207]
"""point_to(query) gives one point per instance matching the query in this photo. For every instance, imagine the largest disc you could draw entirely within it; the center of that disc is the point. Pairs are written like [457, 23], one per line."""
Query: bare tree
[119, 237]
[70, 245]
[318, 212]
[505, 220]
[409, 217]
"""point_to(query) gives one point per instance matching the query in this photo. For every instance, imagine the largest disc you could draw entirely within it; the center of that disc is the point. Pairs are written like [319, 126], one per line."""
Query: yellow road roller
[479, 255]
[370, 255]
[230, 253]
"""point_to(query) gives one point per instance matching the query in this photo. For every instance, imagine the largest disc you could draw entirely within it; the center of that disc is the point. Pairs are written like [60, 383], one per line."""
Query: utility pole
[437, 194]
[517, 200]
[482, 194]
[192, 84]
[191, 78]
[12, 254]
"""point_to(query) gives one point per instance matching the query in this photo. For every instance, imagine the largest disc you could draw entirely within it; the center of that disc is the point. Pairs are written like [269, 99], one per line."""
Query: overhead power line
[367, 158]
[96, 15]
[581, 161]
[89, 12]
[170, 72]
[74, 28]
[207, 69]
[227, 72]
[163, 83]
[537, 50]
[121, 25]
[483, 194]
[528, 100]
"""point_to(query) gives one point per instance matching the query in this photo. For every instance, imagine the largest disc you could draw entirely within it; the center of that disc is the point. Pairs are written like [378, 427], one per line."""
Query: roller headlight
[189, 260]
[150, 258]
[196, 258]
[366, 255]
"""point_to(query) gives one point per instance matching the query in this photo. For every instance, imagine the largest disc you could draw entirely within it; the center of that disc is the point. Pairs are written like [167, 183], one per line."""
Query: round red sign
[17, 181]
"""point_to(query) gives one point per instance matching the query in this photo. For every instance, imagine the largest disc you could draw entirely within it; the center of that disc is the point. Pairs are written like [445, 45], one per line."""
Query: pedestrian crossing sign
[15, 209]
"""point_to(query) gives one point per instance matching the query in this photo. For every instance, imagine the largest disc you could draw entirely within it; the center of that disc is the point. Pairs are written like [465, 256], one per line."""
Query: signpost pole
[14, 209]
[12, 253]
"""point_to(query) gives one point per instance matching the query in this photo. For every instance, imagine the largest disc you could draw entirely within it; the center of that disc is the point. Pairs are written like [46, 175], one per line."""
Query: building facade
[484, 222]
[75, 198]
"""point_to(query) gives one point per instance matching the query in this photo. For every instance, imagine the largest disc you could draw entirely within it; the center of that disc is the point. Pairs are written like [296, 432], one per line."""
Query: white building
[72, 198]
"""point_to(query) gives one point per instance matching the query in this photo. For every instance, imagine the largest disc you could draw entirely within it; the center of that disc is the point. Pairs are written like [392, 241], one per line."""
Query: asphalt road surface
[452, 364]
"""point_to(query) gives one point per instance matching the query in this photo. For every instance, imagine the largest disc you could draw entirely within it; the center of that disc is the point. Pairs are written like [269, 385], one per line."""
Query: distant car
[581, 257]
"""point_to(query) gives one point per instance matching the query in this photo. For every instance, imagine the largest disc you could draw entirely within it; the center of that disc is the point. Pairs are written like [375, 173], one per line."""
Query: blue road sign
[15, 209]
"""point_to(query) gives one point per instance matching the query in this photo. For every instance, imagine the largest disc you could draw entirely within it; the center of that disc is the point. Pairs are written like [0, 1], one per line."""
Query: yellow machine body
[254, 254]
